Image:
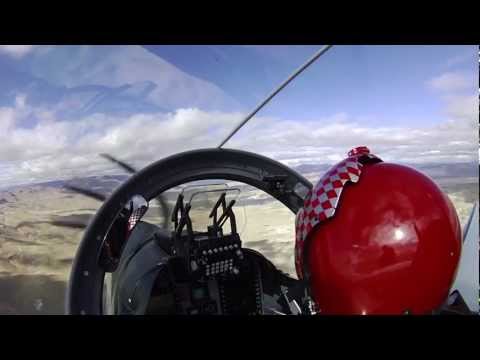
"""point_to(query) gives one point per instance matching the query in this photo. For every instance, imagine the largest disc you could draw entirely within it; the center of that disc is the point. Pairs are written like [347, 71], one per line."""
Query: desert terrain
[36, 254]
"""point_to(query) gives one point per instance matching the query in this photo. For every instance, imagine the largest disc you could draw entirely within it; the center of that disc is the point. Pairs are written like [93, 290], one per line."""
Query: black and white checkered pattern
[136, 216]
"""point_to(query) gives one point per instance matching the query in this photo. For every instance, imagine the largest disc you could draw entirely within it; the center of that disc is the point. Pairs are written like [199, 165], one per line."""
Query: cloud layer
[54, 149]
[455, 139]
[38, 142]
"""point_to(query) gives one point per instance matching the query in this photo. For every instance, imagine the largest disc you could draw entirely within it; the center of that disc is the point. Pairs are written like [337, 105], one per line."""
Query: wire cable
[276, 91]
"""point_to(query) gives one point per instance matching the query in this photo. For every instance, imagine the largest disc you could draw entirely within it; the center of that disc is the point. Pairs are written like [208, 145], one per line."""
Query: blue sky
[61, 105]
[377, 81]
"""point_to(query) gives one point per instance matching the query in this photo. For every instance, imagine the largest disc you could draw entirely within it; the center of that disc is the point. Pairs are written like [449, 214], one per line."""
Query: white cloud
[20, 100]
[16, 51]
[56, 149]
[61, 149]
[453, 140]
[450, 82]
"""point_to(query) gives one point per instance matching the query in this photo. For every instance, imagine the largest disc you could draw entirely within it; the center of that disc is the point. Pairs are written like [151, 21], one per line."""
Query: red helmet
[391, 245]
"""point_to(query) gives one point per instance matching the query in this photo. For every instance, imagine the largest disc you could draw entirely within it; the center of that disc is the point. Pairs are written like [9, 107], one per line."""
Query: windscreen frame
[84, 293]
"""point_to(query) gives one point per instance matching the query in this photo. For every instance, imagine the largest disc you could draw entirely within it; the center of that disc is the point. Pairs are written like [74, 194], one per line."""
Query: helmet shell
[391, 244]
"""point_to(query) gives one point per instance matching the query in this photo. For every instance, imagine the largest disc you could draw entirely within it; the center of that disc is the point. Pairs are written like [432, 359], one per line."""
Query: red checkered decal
[320, 203]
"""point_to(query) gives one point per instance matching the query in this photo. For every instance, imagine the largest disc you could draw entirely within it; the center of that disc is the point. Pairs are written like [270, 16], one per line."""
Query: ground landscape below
[36, 256]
